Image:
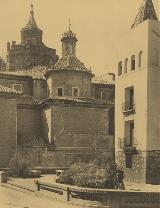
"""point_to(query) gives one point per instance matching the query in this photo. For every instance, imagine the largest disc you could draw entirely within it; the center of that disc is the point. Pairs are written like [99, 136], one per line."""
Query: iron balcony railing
[128, 108]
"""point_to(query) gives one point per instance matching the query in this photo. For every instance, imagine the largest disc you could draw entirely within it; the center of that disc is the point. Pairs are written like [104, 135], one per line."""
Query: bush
[98, 173]
[18, 166]
[20, 163]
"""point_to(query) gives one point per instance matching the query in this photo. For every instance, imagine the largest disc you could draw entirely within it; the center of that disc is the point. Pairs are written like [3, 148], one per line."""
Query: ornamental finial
[69, 21]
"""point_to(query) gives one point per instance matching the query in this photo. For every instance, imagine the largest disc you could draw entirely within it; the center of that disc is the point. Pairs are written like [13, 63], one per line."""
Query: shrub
[98, 173]
[20, 163]
[18, 166]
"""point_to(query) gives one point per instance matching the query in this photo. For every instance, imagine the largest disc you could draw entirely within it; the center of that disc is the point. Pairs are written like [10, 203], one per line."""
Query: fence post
[68, 194]
[38, 186]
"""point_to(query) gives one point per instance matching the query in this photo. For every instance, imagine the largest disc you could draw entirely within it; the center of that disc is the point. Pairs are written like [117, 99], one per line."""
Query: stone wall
[145, 167]
[137, 173]
[8, 130]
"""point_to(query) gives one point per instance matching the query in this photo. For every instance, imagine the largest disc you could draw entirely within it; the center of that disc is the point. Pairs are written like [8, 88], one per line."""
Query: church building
[59, 111]
[137, 99]
[31, 51]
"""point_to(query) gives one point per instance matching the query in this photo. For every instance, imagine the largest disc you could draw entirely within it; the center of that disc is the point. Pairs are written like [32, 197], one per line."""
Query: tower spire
[31, 23]
[146, 11]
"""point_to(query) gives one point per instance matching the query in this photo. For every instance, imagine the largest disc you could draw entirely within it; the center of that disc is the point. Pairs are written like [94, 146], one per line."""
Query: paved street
[12, 198]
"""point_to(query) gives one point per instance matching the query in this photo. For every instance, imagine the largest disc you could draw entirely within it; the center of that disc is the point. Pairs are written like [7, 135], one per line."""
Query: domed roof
[70, 63]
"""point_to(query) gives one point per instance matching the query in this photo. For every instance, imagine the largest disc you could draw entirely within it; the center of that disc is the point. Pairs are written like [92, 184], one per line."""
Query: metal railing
[128, 108]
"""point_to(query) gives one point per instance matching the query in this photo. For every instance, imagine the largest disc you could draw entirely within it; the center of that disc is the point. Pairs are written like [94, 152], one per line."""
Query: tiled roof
[7, 90]
[27, 100]
[68, 100]
[70, 63]
[107, 79]
[37, 72]
[30, 140]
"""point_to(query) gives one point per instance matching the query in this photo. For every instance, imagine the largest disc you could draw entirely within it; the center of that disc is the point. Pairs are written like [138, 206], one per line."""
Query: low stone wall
[109, 198]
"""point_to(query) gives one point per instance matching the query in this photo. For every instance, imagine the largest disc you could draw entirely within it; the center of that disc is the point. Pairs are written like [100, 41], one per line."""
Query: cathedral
[54, 107]
[31, 51]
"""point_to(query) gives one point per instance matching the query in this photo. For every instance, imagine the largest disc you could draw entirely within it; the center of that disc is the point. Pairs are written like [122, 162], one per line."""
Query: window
[133, 62]
[75, 91]
[140, 59]
[126, 65]
[129, 98]
[129, 141]
[119, 68]
[155, 57]
[17, 87]
[60, 92]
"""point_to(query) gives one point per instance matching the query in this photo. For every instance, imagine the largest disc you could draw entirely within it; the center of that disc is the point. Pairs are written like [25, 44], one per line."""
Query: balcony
[128, 109]
[127, 148]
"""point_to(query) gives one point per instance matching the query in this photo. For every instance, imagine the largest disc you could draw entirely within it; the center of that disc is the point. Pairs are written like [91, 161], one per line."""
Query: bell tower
[69, 43]
[31, 33]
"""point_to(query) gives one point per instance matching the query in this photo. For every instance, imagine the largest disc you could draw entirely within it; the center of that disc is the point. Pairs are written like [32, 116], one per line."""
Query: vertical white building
[137, 99]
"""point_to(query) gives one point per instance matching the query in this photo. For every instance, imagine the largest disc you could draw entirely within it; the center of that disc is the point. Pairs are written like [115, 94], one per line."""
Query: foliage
[20, 163]
[101, 173]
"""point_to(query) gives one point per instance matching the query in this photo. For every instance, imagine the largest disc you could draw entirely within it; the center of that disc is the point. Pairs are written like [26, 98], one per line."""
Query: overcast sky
[97, 23]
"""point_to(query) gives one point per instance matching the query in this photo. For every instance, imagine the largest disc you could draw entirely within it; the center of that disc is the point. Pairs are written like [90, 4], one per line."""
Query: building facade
[137, 129]
[59, 112]
[31, 51]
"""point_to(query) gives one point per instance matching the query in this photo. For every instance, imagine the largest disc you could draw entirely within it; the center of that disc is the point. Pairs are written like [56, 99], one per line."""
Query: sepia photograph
[80, 104]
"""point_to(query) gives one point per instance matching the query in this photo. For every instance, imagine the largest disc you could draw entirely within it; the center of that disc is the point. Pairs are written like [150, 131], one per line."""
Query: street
[12, 198]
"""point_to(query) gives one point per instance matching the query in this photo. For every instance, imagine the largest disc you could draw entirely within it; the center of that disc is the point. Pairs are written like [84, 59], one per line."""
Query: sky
[98, 25]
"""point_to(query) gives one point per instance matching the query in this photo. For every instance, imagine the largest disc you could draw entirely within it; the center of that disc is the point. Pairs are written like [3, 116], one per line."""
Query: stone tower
[137, 99]
[31, 51]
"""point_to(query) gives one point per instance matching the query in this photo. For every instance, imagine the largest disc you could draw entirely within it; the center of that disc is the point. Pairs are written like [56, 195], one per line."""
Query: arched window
[140, 59]
[125, 65]
[119, 68]
[133, 62]
[155, 57]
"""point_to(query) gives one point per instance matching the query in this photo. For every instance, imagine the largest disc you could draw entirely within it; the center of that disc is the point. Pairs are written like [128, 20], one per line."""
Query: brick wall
[67, 80]
[29, 122]
[71, 126]
[39, 89]
[8, 130]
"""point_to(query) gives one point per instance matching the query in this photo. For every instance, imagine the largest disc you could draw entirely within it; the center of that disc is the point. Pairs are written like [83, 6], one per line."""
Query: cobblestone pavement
[12, 198]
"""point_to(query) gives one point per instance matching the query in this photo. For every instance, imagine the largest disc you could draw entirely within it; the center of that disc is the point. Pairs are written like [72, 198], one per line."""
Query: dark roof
[106, 79]
[146, 11]
[7, 90]
[70, 62]
[37, 72]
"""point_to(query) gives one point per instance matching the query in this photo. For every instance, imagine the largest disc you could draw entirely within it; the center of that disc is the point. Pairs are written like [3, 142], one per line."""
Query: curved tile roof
[107, 79]
[70, 63]
[7, 90]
